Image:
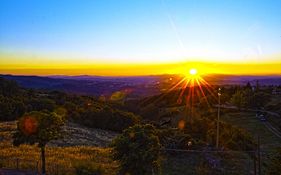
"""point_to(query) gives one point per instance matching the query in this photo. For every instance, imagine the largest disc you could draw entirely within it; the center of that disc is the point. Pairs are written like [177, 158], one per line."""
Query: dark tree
[8, 88]
[248, 86]
[38, 128]
[39, 104]
[238, 99]
[138, 150]
[260, 99]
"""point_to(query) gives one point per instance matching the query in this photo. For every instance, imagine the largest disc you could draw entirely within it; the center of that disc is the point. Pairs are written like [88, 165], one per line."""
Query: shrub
[87, 168]
[107, 118]
[174, 139]
[137, 150]
[39, 104]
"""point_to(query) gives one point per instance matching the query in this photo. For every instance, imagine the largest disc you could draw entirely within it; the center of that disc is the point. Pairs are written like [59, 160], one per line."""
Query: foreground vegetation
[89, 159]
[183, 144]
[61, 160]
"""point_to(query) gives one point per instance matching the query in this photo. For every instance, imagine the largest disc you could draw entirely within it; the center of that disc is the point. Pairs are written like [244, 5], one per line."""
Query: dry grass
[60, 160]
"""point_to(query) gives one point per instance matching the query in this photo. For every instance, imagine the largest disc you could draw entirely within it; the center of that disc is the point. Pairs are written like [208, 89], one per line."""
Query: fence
[32, 166]
[29, 165]
[174, 161]
[207, 162]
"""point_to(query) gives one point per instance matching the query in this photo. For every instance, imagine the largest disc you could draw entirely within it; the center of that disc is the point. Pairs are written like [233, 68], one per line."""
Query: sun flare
[193, 71]
[192, 88]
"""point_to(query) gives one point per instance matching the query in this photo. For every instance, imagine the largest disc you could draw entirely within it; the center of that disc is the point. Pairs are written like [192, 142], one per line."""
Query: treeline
[201, 132]
[86, 110]
[12, 100]
[250, 96]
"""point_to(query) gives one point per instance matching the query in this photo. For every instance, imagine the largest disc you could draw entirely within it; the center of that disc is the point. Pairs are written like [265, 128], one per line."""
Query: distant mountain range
[138, 86]
[91, 85]
[243, 79]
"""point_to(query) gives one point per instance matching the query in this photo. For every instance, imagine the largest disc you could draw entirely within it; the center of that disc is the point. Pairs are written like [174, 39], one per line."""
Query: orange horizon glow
[143, 69]
[43, 66]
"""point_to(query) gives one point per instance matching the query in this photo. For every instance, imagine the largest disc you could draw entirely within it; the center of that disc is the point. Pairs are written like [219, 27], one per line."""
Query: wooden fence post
[17, 163]
[37, 167]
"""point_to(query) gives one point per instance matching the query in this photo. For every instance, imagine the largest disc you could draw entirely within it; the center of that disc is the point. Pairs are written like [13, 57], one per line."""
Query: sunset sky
[140, 37]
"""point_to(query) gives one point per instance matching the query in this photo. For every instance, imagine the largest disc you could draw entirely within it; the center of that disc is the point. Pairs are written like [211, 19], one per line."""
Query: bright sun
[192, 86]
[193, 71]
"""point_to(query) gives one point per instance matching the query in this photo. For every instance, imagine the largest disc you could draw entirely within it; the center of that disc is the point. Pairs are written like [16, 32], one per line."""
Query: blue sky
[142, 31]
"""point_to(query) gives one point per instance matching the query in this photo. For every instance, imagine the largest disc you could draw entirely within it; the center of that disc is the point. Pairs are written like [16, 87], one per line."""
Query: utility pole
[259, 156]
[218, 119]
[255, 164]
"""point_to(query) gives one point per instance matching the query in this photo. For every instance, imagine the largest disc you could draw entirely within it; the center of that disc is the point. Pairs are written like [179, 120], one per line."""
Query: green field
[248, 121]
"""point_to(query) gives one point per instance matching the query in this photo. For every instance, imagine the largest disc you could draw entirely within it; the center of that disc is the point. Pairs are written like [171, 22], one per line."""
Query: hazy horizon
[117, 38]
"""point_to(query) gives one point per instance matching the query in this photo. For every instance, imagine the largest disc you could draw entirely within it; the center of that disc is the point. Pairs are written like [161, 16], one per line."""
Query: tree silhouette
[38, 128]
[238, 99]
[138, 149]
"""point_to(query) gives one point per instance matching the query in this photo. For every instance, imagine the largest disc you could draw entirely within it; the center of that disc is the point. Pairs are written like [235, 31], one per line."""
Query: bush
[39, 104]
[10, 109]
[175, 139]
[137, 150]
[107, 118]
[86, 168]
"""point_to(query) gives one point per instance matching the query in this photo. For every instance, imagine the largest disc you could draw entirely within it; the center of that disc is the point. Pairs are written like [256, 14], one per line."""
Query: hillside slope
[75, 135]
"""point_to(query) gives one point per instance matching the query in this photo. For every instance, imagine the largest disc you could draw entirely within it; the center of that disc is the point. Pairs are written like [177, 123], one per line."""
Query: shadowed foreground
[15, 172]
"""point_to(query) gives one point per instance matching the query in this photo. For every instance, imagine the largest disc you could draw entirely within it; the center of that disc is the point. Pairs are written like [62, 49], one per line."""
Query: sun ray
[176, 85]
[195, 88]
[203, 93]
[190, 90]
[207, 85]
[182, 91]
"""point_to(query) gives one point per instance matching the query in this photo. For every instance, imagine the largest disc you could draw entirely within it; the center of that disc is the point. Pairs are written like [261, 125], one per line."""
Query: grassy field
[248, 121]
[268, 141]
[63, 160]
[60, 160]
[274, 106]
